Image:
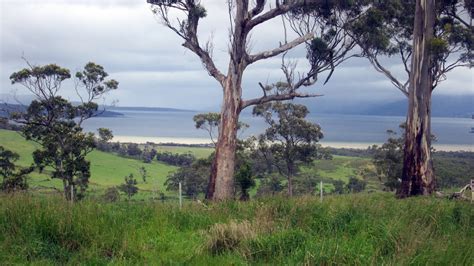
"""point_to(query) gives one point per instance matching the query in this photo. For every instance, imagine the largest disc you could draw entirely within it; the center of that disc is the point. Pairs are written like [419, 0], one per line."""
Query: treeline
[146, 154]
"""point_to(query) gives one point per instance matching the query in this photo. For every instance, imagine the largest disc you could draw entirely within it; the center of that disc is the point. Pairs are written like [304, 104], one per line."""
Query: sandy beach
[160, 140]
[349, 145]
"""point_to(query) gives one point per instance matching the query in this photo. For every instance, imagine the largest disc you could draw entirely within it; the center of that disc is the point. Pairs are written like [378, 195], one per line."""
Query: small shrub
[356, 185]
[112, 194]
[130, 186]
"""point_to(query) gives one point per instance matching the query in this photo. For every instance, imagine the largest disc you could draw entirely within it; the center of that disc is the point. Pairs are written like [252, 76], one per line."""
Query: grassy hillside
[363, 229]
[107, 169]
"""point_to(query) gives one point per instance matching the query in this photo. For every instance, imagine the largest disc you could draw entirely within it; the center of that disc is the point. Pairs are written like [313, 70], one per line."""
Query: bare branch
[263, 89]
[260, 5]
[206, 60]
[375, 62]
[281, 49]
[277, 97]
[187, 30]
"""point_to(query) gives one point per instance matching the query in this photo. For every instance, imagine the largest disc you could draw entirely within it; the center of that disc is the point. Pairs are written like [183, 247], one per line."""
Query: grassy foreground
[354, 229]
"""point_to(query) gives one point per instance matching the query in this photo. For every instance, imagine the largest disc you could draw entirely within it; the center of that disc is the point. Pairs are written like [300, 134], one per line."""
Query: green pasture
[107, 169]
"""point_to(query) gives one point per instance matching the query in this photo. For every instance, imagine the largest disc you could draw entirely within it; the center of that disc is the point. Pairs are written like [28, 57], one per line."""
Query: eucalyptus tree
[55, 123]
[290, 140]
[430, 38]
[325, 53]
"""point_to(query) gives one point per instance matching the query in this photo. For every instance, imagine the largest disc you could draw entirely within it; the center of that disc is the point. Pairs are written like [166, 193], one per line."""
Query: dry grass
[228, 236]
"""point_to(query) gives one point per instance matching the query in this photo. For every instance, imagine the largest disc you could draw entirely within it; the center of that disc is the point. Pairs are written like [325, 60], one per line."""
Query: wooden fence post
[321, 191]
[180, 196]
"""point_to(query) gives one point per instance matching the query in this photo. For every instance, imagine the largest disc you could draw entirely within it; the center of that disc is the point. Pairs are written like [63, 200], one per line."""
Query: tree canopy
[290, 140]
[55, 123]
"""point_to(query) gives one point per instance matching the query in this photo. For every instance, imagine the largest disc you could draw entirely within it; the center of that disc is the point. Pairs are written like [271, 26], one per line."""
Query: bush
[175, 159]
[338, 186]
[129, 187]
[112, 194]
[14, 177]
[133, 150]
[356, 185]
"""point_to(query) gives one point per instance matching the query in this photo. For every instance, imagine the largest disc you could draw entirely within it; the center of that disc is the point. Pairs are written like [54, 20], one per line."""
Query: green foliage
[338, 186]
[7, 159]
[207, 121]
[92, 78]
[105, 134]
[245, 181]
[177, 159]
[148, 154]
[210, 123]
[290, 140]
[133, 150]
[270, 185]
[356, 185]
[453, 169]
[40, 75]
[14, 178]
[193, 178]
[350, 229]
[305, 184]
[64, 146]
[143, 173]
[388, 160]
[386, 28]
[319, 51]
[130, 186]
[55, 124]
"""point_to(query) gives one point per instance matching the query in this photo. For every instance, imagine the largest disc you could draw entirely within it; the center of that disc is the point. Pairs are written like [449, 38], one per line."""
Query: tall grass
[352, 229]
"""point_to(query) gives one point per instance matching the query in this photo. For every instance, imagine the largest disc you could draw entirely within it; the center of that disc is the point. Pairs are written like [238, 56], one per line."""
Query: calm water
[336, 128]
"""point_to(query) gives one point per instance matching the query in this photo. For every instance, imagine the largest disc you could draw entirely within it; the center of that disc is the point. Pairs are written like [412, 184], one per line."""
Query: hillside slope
[107, 169]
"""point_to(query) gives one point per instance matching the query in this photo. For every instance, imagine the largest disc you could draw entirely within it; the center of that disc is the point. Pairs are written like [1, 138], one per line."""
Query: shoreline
[337, 145]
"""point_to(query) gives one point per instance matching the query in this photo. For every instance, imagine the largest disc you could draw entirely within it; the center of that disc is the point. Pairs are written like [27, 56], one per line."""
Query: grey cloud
[151, 65]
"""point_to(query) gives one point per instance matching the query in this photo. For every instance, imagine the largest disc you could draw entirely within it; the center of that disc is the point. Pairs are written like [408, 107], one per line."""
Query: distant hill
[149, 109]
[442, 106]
[9, 108]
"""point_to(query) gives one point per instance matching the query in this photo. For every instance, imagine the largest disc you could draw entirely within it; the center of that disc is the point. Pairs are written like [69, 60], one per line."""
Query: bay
[336, 128]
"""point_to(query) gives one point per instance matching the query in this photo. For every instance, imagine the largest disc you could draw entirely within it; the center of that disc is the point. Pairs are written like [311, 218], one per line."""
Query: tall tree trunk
[418, 175]
[221, 183]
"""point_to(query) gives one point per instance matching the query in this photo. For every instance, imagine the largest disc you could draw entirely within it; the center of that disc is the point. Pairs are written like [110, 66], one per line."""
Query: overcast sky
[151, 65]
